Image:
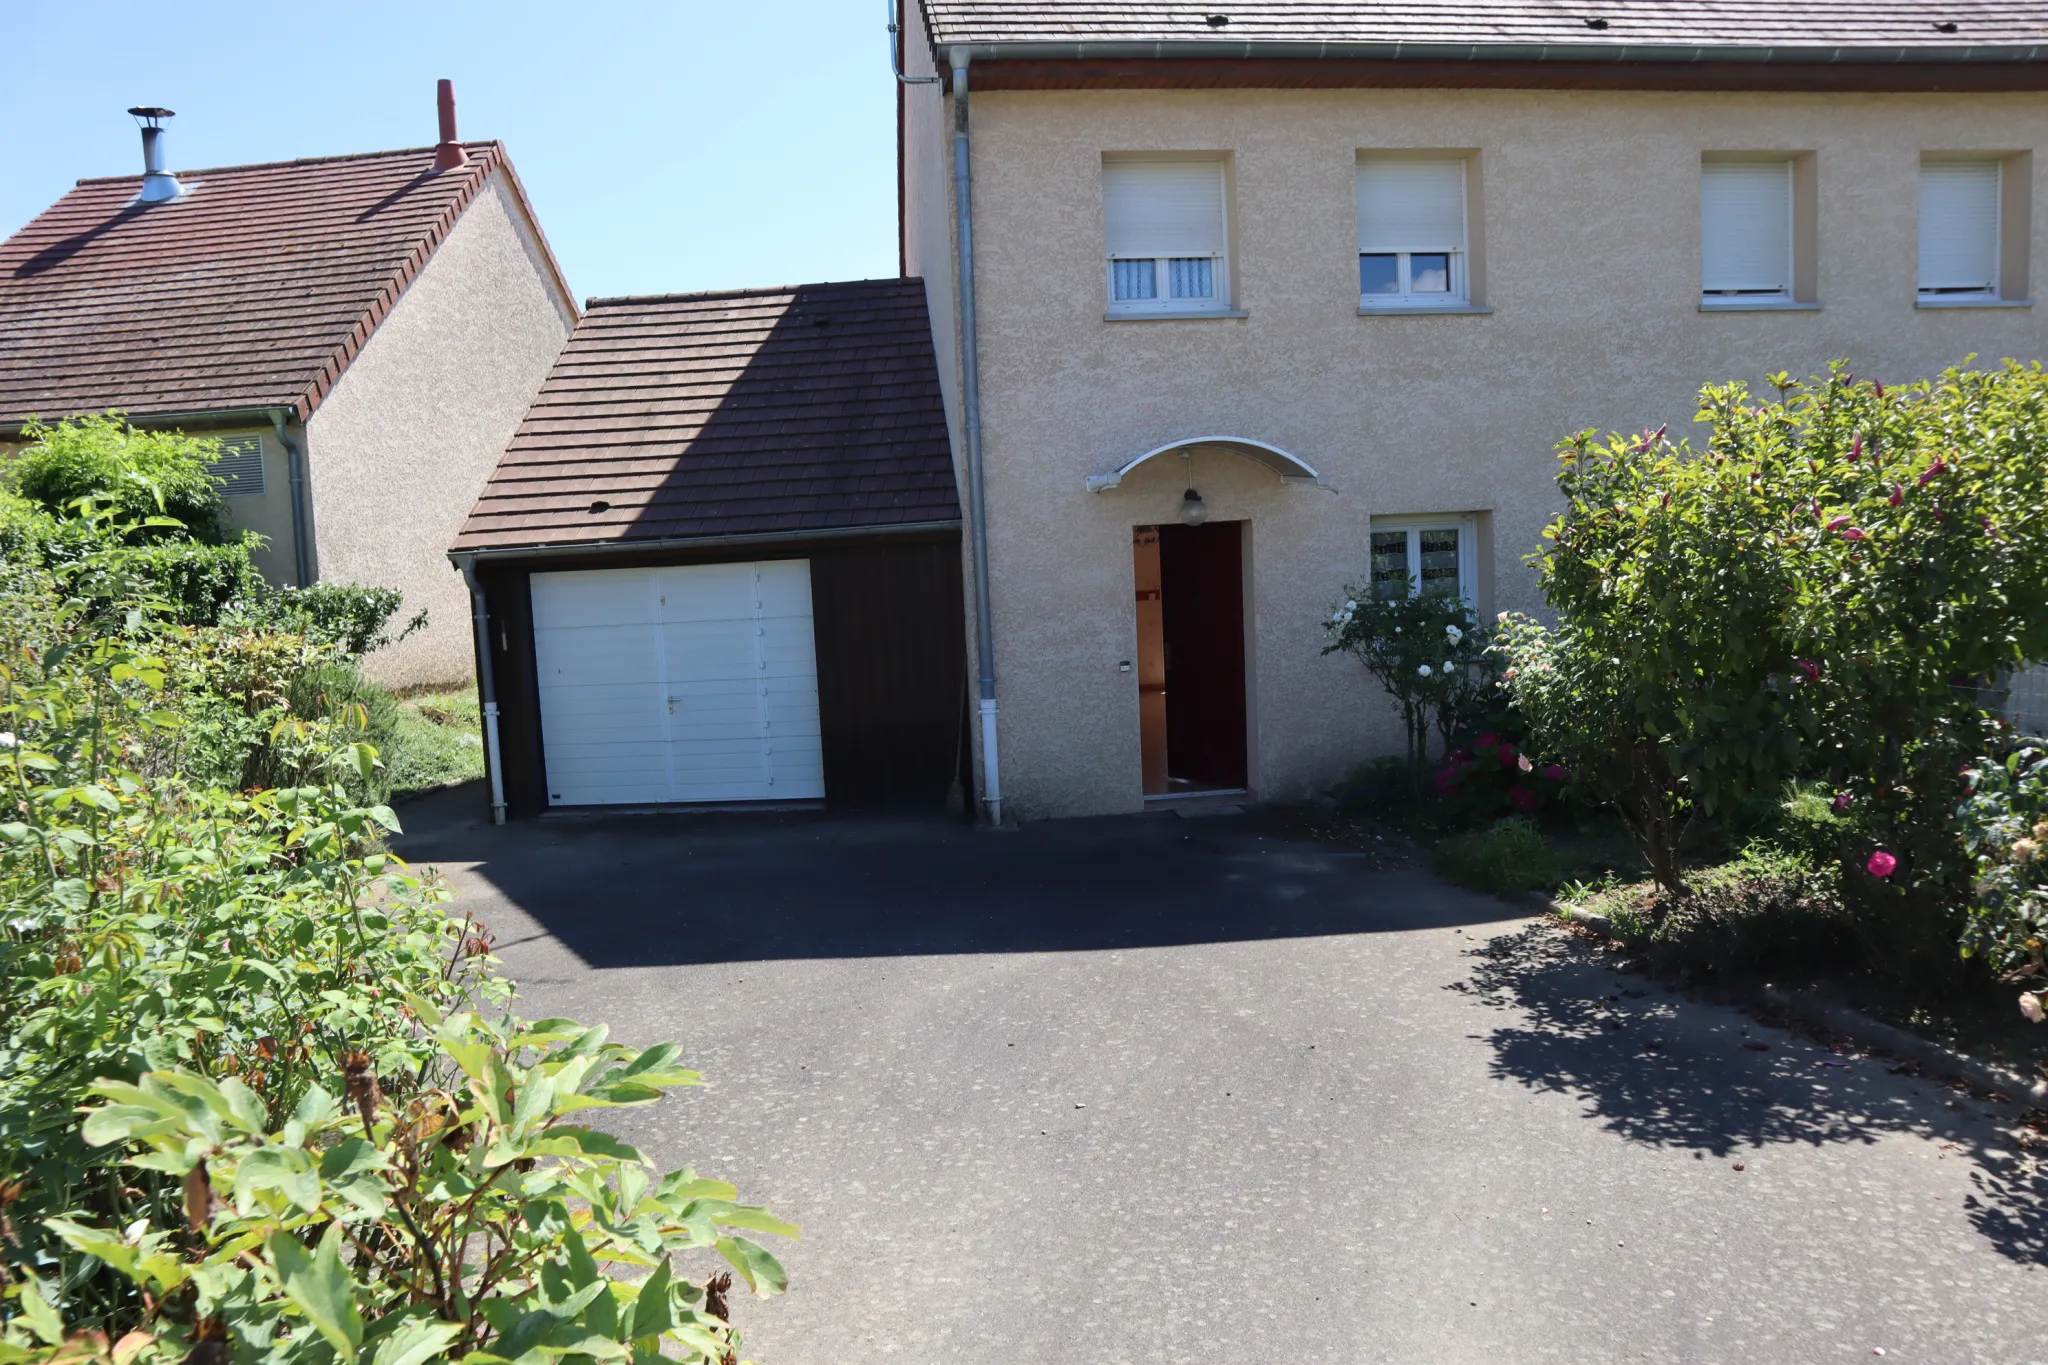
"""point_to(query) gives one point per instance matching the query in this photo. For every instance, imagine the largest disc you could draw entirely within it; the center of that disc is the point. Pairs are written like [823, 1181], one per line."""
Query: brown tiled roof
[256, 289]
[1483, 25]
[766, 411]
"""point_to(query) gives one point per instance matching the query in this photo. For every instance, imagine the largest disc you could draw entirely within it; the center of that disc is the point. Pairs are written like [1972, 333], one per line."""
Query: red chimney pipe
[448, 153]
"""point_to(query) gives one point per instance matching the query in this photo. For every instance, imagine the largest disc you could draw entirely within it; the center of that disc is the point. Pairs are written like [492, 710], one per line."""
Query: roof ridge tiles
[763, 291]
[489, 146]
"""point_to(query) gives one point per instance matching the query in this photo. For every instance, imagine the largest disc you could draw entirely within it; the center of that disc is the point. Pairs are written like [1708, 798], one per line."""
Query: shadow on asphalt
[685, 888]
[1647, 1072]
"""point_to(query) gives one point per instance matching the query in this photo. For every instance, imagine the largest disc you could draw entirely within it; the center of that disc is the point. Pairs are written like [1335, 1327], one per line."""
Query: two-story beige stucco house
[363, 333]
[1331, 280]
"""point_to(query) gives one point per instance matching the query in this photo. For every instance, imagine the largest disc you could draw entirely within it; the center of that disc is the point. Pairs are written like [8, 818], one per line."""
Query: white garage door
[697, 683]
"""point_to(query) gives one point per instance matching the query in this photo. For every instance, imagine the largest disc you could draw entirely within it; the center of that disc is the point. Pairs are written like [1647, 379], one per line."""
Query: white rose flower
[1424, 670]
[1351, 604]
[2030, 1005]
[1454, 634]
[6, 739]
[1447, 665]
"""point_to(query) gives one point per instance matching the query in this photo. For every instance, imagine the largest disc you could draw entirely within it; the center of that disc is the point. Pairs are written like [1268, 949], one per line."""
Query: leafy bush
[199, 581]
[352, 617]
[2005, 828]
[223, 966]
[1492, 776]
[142, 475]
[1509, 858]
[470, 1221]
[1819, 594]
[1427, 651]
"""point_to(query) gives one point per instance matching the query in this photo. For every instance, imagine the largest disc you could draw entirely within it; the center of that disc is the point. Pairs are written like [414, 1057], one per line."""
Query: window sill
[1184, 315]
[1758, 306]
[1421, 310]
[1939, 302]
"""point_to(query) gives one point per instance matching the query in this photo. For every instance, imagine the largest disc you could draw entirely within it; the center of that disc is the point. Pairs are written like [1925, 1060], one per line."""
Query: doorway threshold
[679, 808]
[1217, 801]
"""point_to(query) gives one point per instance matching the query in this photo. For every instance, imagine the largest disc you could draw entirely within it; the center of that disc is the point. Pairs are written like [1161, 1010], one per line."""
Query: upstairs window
[240, 467]
[1424, 558]
[1746, 231]
[1166, 236]
[1960, 208]
[1411, 233]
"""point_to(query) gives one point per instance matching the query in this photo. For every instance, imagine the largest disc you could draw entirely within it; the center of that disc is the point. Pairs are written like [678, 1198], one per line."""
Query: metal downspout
[295, 459]
[977, 516]
[487, 684]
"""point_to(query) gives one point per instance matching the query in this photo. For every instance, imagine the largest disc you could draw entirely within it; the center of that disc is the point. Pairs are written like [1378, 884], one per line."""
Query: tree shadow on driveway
[1654, 1068]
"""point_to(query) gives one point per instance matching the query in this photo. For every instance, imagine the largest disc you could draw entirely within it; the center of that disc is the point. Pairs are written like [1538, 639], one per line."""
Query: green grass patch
[435, 740]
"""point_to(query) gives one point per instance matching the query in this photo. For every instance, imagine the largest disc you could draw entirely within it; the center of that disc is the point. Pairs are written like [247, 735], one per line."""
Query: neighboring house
[362, 332]
[720, 561]
[1351, 271]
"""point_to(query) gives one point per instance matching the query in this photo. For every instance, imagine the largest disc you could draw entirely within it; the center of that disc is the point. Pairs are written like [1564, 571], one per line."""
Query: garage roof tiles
[811, 408]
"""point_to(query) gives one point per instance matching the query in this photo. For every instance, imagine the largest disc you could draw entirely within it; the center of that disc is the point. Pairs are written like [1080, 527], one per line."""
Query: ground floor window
[1433, 558]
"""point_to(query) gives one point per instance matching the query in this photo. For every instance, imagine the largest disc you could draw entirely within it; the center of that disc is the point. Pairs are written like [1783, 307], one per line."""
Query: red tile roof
[254, 290]
[1479, 25]
[813, 408]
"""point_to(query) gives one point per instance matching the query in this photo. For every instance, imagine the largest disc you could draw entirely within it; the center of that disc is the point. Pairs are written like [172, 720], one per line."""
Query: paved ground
[1162, 1090]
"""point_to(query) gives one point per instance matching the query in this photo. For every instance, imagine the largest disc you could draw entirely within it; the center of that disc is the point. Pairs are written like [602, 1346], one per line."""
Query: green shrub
[1813, 596]
[1509, 858]
[199, 581]
[2005, 828]
[1428, 653]
[469, 1222]
[140, 474]
[352, 617]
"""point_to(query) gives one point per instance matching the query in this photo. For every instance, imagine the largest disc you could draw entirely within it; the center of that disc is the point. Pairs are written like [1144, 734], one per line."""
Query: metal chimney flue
[448, 153]
[158, 184]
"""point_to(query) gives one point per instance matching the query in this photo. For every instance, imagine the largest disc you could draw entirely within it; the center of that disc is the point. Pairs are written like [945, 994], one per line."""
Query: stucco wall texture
[398, 451]
[1592, 241]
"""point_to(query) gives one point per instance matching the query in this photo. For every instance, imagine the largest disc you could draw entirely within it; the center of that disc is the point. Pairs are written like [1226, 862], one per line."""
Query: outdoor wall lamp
[1193, 510]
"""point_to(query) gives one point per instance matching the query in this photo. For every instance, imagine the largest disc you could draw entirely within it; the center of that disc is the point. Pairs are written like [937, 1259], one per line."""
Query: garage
[681, 683]
[719, 562]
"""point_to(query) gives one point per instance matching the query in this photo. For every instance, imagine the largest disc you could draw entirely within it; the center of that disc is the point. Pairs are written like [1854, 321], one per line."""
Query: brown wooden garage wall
[892, 665]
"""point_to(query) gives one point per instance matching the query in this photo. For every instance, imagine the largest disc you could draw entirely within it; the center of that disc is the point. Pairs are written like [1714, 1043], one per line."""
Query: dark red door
[1201, 572]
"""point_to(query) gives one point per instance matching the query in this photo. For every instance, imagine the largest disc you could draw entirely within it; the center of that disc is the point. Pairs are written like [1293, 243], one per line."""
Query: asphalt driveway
[1165, 1090]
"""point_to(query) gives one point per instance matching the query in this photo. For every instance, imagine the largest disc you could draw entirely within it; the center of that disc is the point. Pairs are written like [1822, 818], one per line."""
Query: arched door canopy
[1289, 467]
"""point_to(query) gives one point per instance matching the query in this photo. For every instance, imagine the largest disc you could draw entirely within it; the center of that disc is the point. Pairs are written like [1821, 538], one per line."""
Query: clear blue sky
[666, 147]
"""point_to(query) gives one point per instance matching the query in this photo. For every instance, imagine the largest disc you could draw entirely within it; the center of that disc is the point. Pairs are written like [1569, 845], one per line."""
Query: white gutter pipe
[977, 515]
[487, 685]
[295, 460]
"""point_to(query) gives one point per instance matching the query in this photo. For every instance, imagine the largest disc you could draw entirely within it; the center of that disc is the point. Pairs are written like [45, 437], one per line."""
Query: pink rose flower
[1882, 864]
[1843, 800]
[1507, 755]
[2030, 1005]
[1487, 740]
[1810, 669]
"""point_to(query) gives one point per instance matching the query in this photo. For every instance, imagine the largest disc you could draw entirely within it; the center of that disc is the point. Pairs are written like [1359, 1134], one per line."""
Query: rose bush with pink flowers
[1825, 589]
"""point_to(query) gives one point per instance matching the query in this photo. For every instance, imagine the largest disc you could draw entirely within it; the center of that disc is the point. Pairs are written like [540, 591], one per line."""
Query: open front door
[1191, 657]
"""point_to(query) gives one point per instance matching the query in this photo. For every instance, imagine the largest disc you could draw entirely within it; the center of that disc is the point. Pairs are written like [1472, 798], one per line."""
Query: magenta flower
[1810, 669]
[1445, 778]
[1856, 451]
[1554, 772]
[1487, 740]
[1507, 755]
[1838, 523]
[1843, 800]
[1898, 495]
[1853, 533]
[1882, 864]
[1878, 385]
[1524, 798]
[1938, 467]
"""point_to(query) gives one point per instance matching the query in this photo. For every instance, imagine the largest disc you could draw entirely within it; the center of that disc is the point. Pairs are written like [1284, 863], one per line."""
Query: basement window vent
[240, 467]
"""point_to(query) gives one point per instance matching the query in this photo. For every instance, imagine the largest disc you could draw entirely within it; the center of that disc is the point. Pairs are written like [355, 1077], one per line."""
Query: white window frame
[1460, 293]
[1468, 550]
[1941, 295]
[1751, 298]
[1162, 301]
[242, 445]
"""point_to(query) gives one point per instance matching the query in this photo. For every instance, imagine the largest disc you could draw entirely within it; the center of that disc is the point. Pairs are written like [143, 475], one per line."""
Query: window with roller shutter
[1746, 230]
[1412, 239]
[1959, 228]
[1165, 227]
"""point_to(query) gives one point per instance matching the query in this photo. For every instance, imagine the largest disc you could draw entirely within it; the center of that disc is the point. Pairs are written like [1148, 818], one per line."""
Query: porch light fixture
[1193, 510]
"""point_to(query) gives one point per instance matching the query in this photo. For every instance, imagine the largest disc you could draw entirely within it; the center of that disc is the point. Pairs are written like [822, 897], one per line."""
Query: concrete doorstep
[1815, 1010]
